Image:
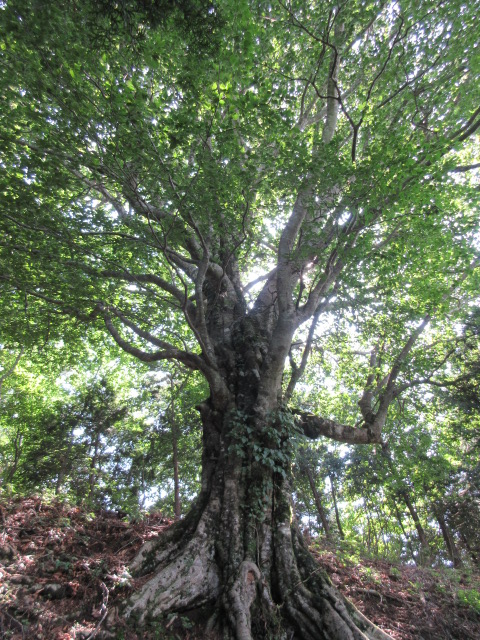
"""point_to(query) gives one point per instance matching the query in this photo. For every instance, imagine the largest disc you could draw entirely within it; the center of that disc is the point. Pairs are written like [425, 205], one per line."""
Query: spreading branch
[314, 427]
[166, 352]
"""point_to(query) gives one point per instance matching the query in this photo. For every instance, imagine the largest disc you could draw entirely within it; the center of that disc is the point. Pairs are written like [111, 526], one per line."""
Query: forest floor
[63, 573]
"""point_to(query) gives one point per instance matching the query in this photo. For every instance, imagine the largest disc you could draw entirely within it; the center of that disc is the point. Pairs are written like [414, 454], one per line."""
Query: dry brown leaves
[60, 567]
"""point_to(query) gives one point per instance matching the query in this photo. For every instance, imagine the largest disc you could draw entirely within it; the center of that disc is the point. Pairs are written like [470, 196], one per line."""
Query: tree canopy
[324, 148]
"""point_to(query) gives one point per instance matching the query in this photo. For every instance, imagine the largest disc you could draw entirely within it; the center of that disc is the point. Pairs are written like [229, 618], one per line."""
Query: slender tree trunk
[93, 475]
[452, 549]
[371, 540]
[64, 463]
[17, 445]
[335, 506]
[469, 549]
[425, 555]
[406, 536]
[322, 516]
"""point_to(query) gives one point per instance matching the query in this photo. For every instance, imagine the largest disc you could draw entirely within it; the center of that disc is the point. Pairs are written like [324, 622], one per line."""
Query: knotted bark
[241, 555]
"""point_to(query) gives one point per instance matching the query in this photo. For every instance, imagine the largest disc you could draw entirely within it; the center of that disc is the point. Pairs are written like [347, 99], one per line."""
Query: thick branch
[391, 392]
[365, 402]
[314, 427]
[465, 167]
[147, 278]
[333, 94]
[168, 351]
[285, 280]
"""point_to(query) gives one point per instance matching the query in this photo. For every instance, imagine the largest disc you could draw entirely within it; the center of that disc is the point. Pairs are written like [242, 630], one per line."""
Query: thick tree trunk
[175, 437]
[238, 554]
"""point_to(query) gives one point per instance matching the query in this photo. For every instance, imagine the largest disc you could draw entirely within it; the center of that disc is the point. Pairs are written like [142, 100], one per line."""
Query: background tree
[213, 206]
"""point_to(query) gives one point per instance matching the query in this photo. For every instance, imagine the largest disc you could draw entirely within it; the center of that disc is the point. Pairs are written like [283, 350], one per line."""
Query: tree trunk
[405, 534]
[18, 442]
[238, 555]
[335, 506]
[469, 549]
[64, 465]
[322, 516]
[425, 554]
[93, 475]
[452, 549]
[175, 438]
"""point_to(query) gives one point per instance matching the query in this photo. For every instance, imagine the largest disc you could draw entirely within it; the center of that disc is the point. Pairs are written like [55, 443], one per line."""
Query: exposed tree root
[241, 597]
[187, 576]
[204, 561]
[339, 617]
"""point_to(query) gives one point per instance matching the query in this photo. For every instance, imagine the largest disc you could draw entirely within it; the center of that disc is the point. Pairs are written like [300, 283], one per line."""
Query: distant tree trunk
[425, 554]
[469, 548]
[335, 506]
[17, 451]
[453, 552]
[93, 475]
[175, 438]
[322, 516]
[64, 466]
[405, 534]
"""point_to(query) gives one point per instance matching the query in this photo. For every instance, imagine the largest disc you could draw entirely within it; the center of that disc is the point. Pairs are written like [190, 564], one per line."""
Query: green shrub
[470, 598]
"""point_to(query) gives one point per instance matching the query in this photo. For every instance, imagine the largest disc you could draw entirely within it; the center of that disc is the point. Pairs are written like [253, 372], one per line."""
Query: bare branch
[469, 127]
[465, 167]
[101, 189]
[168, 351]
[298, 371]
[147, 278]
[251, 284]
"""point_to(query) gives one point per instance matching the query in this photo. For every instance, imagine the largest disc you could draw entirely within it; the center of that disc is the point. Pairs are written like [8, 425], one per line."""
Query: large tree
[212, 183]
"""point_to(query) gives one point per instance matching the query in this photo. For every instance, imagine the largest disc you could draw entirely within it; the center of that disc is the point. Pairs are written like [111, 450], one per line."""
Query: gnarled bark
[240, 555]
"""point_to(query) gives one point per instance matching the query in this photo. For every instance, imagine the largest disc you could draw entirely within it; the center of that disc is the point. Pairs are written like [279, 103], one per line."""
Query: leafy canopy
[148, 175]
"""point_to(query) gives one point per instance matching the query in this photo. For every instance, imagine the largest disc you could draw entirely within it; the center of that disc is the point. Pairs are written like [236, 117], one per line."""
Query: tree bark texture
[239, 554]
[175, 437]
